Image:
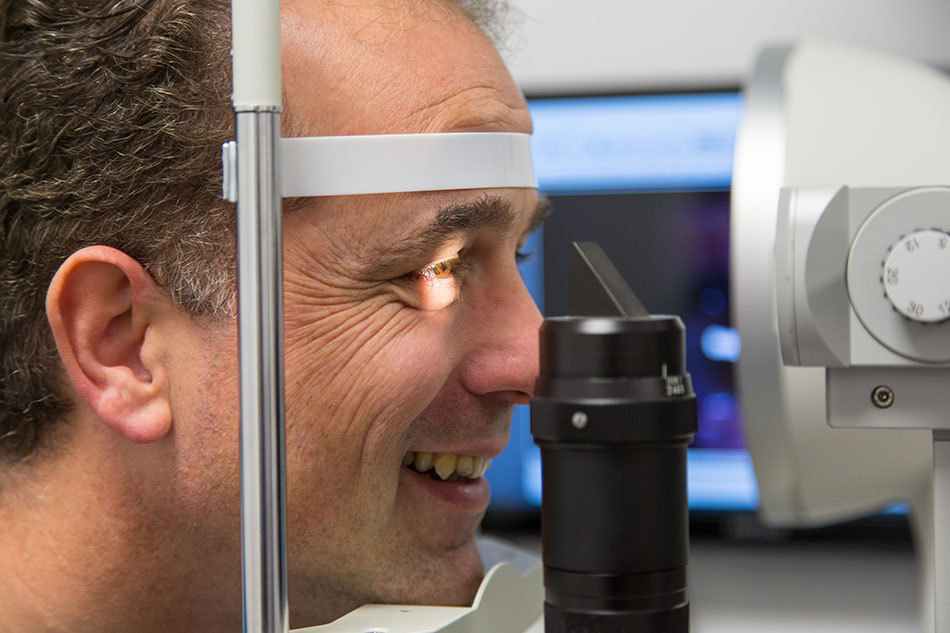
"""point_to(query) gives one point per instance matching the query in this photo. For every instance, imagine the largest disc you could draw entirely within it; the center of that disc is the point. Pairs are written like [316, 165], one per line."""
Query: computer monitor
[648, 177]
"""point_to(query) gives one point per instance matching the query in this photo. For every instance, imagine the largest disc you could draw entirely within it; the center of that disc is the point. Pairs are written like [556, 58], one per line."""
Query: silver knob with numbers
[916, 276]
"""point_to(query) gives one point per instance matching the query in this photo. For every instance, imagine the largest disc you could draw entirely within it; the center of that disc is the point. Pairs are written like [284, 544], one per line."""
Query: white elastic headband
[389, 163]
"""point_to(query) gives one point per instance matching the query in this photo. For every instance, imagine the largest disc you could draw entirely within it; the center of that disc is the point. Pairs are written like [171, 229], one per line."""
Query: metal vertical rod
[260, 331]
[256, 96]
[941, 528]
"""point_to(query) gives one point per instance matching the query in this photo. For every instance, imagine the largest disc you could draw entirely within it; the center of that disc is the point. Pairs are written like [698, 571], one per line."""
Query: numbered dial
[916, 276]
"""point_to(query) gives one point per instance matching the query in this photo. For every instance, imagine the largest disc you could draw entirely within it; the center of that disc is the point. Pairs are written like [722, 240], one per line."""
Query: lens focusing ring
[616, 592]
[663, 421]
[626, 375]
[612, 347]
[557, 620]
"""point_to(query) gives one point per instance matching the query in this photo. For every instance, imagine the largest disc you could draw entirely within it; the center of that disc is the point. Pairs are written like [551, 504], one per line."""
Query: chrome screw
[579, 420]
[882, 396]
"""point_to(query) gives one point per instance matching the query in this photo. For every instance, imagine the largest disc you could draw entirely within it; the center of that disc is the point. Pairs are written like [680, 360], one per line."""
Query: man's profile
[409, 335]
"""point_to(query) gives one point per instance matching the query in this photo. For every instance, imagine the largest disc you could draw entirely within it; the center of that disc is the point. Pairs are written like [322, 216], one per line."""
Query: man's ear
[101, 304]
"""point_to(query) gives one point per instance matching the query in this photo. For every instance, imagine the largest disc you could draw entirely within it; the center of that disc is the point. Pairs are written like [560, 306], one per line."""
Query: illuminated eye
[442, 270]
[436, 286]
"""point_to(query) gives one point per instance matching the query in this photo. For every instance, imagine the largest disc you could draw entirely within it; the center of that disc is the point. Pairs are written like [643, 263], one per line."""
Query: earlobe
[101, 305]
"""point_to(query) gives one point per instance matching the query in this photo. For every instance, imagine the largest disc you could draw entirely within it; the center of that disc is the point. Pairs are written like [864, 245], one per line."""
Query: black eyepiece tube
[613, 413]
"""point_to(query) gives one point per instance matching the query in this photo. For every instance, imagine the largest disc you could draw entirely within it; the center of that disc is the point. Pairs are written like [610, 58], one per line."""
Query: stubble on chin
[448, 579]
[404, 576]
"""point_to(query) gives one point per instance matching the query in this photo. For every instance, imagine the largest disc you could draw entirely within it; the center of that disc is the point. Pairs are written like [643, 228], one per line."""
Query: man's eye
[437, 285]
[440, 270]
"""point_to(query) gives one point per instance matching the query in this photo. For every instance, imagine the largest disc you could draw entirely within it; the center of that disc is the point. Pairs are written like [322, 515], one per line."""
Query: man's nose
[504, 357]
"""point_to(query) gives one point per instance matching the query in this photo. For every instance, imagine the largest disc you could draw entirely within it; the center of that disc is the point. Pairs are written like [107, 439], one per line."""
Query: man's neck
[48, 578]
[79, 553]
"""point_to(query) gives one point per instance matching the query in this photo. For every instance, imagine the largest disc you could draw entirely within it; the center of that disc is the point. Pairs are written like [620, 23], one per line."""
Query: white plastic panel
[821, 114]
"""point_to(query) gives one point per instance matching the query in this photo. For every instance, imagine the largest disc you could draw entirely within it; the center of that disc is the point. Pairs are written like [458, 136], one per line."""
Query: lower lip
[470, 496]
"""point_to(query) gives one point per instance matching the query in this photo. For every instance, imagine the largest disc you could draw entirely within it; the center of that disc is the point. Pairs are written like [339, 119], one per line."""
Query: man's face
[407, 326]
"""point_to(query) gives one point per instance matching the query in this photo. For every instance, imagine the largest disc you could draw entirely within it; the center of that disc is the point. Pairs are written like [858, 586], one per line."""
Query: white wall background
[565, 46]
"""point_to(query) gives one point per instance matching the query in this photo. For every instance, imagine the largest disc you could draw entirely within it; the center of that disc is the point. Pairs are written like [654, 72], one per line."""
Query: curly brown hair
[112, 115]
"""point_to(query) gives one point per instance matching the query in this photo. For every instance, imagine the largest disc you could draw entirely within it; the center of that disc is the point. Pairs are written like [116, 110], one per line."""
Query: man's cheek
[327, 337]
[383, 378]
[382, 366]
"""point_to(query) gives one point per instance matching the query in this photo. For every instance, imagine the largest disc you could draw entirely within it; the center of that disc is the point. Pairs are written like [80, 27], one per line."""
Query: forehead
[403, 66]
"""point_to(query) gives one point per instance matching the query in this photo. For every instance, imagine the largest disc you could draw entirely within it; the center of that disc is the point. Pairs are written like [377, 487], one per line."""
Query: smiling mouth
[446, 466]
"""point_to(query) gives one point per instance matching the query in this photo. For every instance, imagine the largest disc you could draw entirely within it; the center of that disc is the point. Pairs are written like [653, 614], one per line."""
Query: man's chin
[447, 577]
[452, 580]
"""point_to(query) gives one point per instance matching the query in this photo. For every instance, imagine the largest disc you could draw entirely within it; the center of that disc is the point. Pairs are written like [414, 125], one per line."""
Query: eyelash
[455, 265]
[433, 271]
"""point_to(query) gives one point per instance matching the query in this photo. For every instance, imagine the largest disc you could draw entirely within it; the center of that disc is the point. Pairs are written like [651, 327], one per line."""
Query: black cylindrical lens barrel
[613, 413]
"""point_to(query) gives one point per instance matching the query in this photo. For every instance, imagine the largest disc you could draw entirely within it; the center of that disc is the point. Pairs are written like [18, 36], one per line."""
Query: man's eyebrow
[452, 220]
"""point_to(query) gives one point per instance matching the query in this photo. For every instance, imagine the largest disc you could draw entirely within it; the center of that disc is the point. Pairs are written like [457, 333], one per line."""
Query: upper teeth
[447, 464]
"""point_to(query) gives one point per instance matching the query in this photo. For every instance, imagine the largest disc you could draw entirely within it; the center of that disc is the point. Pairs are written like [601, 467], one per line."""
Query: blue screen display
[634, 143]
[648, 177]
